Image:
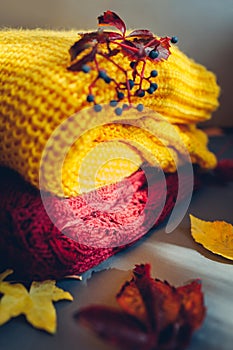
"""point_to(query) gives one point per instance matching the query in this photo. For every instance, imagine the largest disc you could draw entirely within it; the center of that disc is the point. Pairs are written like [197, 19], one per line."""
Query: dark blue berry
[153, 54]
[97, 108]
[131, 83]
[118, 111]
[90, 98]
[133, 64]
[125, 106]
[107, 79]
[140, 107]
[174, 40]
[153, 73]
[86, 69]
[120, 95]
[140, 93]
[113, 103]
[154, 86]
[150, 90]
[102, 74]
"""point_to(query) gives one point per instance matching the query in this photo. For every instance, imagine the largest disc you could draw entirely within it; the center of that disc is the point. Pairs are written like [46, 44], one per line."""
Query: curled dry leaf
[153, 315]
[36, 304]
[216, 236]
[110, 18]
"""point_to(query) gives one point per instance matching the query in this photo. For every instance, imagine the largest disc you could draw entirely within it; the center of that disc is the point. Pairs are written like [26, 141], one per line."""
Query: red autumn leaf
[78, 65]
[141, 47]
[114, 36]
[131, 301]
[86, 41]
[133, 49]
[163, 48]
[112, 53]
[110, 18]
[81, 45]
[105, 322]
[141, 33]
[192, 302]
[154, 316]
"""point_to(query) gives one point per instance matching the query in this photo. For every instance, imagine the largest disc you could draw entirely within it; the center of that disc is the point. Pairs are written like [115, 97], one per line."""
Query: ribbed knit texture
[38, 94]
[36, 249]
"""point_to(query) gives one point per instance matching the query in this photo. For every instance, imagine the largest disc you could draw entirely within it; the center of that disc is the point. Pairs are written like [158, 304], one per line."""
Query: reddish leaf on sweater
[85, 42]
[141, 33]
[78, 65]
[154, 315]
[133, 50]
[113, 35]
[110, 18]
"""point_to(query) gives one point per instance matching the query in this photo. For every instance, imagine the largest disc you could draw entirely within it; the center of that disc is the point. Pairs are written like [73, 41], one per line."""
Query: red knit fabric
[34, 247]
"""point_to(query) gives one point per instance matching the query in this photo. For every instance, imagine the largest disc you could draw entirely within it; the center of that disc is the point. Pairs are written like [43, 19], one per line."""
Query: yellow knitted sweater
[38, 94]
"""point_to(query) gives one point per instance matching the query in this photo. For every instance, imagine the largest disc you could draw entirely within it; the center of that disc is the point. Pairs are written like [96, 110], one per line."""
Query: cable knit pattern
[38, 93]
[36, 249]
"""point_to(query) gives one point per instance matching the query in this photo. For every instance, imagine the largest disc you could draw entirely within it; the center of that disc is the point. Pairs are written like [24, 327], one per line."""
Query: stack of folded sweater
[78, 186]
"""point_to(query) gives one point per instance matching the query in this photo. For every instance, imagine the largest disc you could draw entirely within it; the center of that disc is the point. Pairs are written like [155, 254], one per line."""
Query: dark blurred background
[204, 28]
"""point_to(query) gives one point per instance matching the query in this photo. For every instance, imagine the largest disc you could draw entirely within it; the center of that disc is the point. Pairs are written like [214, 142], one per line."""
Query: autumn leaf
[154, 315]
[216, 236]
[110, 18]
[141, 33]
[78, 65]
[36, 304]
[82, 44]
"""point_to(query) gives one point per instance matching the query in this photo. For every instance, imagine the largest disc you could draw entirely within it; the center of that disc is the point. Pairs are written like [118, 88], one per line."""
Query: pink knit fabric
[34, 247]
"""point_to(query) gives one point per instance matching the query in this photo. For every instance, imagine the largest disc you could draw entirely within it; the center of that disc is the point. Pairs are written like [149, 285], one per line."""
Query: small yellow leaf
[14, 300]
[216, 236]
[4, 274]
[42, 314]
[36, 305]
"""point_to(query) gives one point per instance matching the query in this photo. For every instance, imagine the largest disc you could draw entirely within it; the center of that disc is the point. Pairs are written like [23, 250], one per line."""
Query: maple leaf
[36, 304]
[154, 315]
[216, 236]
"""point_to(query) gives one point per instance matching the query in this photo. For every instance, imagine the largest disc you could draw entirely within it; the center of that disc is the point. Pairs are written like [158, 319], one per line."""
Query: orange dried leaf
[216, 236]
[192, 302]
[154, 315]
[131, 301]
[35, 304]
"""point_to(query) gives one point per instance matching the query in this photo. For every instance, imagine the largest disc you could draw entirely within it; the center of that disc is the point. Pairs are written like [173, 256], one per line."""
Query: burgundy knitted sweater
[35, 248]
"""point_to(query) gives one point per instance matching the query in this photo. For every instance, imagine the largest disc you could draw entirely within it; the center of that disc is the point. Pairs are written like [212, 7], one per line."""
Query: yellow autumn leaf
[216, 236]
[36, 304]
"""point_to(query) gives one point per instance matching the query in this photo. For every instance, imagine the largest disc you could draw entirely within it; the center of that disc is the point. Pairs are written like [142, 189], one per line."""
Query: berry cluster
[139, 46]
